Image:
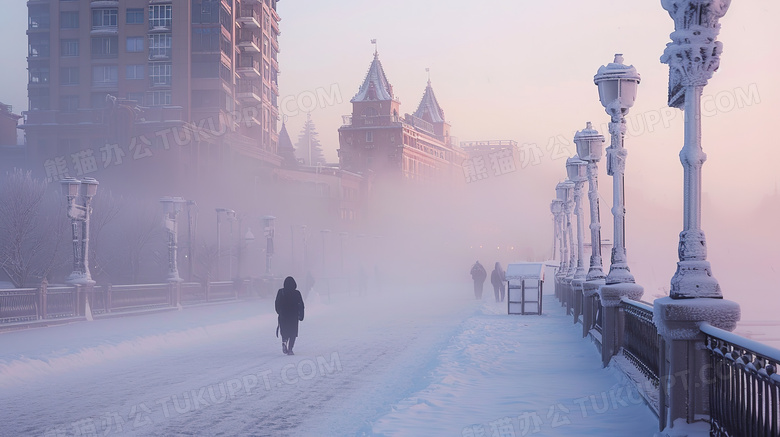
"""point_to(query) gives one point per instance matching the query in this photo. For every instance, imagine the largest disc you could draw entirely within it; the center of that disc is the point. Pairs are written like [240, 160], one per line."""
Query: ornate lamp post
[268, 231]
[563, 193]
[590, 148]
[556, 208]
[577, 172]
[617, 84]
[86, 190]
[693, 56]
[172, 206]
[70, 188]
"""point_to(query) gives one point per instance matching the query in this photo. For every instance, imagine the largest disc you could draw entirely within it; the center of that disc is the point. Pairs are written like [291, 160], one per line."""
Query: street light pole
[617, 84]
[576, 169]
[171, 208]
[695, 298]
[589, 149]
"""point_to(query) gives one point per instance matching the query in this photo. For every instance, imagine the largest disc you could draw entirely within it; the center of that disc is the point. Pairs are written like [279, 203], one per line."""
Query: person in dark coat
[478, 274]
[497, 278]
[289, 306]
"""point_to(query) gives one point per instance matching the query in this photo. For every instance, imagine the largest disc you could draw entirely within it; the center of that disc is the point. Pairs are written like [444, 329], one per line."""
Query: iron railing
[640, 338]
[19, 305]
[744, 387]
[27, 305]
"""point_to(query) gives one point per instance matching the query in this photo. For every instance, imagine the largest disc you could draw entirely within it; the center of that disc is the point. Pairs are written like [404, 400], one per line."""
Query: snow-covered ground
[412, 361]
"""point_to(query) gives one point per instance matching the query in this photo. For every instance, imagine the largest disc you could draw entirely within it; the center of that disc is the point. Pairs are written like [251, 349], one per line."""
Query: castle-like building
[375, 139]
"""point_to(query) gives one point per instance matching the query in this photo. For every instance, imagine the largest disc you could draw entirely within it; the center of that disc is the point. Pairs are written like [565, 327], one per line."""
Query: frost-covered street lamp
[617, 84]
[172, 206]
[564, 194]
[695, 299]
[590, 148]
[74, 190]
[577, 172]
[693, 56]
[268, 231]
[556, 208]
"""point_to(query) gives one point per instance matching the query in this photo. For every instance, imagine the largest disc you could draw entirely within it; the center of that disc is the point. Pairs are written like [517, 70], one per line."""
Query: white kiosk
[521, 278]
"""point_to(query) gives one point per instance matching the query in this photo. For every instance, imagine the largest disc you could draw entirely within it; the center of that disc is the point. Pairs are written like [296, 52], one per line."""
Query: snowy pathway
[414, 362]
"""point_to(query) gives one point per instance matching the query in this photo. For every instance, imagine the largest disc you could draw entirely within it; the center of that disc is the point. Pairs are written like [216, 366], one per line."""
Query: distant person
[289, 306]
[308, 285]
[497, 278]
[478, 274]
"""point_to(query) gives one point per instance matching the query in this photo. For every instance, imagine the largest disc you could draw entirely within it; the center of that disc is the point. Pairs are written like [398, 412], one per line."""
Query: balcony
[249, 19]
[104, 4]
[247, 91]
[249, 67]
[249, 43]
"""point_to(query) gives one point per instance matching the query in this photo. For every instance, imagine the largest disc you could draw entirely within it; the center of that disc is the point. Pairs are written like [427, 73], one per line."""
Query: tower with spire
[375, 139]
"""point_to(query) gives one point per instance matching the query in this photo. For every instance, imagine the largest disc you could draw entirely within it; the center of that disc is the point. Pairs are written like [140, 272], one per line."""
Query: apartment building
[185, 84]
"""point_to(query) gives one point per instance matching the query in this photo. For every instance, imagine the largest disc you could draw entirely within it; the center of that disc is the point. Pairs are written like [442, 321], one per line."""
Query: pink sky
[504, 69]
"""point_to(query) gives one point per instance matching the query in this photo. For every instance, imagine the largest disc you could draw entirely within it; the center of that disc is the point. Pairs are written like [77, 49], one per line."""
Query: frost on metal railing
[744, 387]
[640, 342]
[124, 297]
[18, 305]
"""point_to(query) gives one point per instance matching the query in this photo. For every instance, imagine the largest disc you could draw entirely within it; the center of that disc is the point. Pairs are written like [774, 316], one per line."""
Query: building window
[160, 46]
[135, 16]
[69, 20]
[159, 98]
[160, 73]
[134, 72]
[69, 47]
[39, 17]
[104, 75]
[369, 136]
[105, 47]
[138, 98]
[38, 45]
[135, 44]
[69, 76]
[205, 12]
[205, 39]
[69, 103]
[38, 98]
[160, 16]
[38, 75]
[104, 18]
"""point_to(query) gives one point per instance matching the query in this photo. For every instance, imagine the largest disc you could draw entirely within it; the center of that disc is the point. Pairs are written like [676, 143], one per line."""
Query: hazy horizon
[524, 72]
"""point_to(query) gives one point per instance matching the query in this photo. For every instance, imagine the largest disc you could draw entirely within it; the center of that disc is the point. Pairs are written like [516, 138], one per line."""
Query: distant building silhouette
[375, 138]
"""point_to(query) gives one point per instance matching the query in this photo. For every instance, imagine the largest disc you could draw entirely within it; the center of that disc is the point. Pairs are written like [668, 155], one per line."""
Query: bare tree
[31, 231]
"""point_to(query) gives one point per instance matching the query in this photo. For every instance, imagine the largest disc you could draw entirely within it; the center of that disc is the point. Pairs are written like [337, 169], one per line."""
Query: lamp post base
[694, 279]
[78, 278]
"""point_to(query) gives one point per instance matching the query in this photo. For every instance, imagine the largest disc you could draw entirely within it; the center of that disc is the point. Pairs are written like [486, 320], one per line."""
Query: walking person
[289, 306]
[497, 278]
[478, 274]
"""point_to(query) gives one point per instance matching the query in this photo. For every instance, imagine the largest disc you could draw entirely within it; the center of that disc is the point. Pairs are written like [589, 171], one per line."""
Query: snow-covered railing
[744, 386]
[640, 338]
[18, 305]
[59, 302]
[125, 297]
